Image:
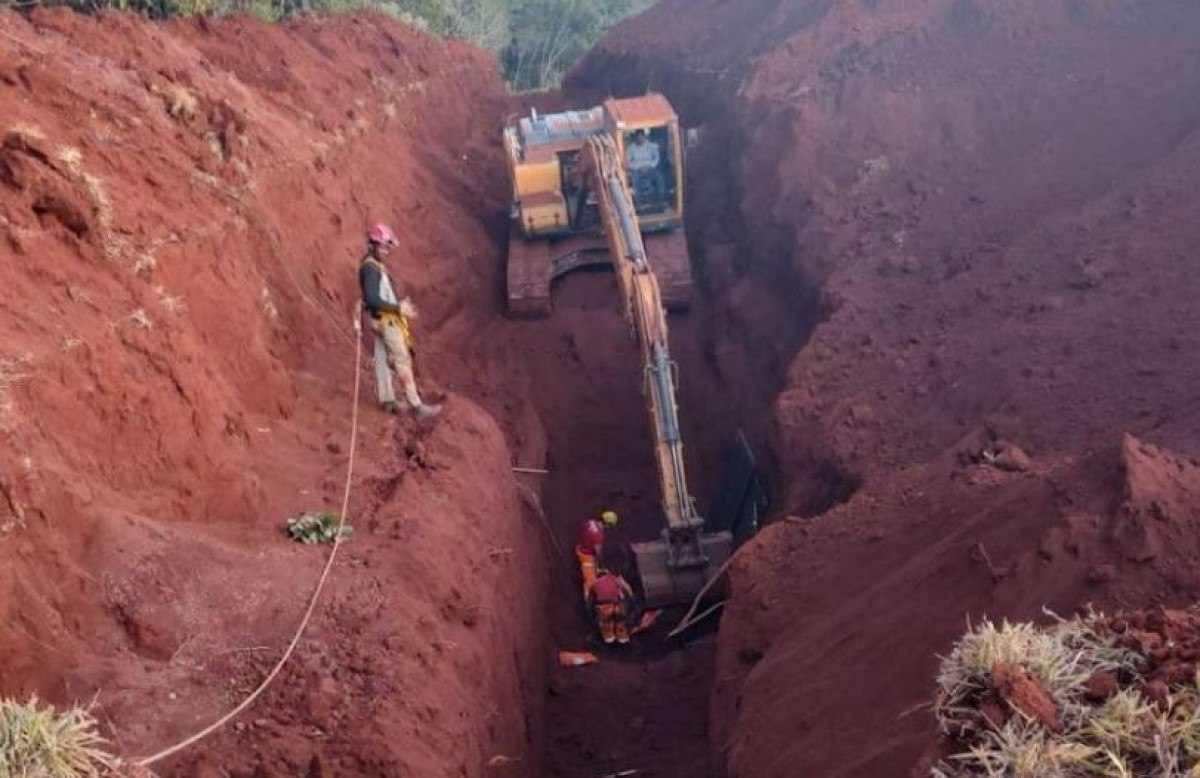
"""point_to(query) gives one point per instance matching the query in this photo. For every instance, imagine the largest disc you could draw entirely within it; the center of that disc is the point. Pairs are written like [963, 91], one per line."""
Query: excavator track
[672, 265]
[529, 275]
[533, 265]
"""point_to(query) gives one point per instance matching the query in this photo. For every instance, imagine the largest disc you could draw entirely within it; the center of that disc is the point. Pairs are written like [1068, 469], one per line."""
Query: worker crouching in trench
[612, 597]
[605, 570]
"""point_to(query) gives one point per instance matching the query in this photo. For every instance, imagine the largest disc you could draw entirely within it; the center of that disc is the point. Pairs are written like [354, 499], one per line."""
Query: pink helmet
[382, 235]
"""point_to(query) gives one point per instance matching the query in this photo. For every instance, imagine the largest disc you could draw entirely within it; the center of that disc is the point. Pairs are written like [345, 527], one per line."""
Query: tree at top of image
[537, 40]
[551, 35]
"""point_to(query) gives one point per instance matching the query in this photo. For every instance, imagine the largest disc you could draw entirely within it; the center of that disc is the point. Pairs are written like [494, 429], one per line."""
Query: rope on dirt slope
[687, 621]
[312, 603]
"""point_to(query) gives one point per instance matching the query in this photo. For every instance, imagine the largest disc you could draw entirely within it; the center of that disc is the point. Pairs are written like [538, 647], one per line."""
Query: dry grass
[1019, 749]
[38, 741]
[180, 103]
[25, 133]
[170, 302]
[268, 304]
[141, 319]
[71, 157]
[12, 372]
[1062, 656]
[1126, 736]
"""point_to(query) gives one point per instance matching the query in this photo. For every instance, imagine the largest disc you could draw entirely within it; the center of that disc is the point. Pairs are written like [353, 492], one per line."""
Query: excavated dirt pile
[964, 234]
[181, 217]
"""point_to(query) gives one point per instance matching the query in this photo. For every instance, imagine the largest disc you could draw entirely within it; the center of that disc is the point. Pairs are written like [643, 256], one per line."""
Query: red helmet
[591, 535]
[382, 235]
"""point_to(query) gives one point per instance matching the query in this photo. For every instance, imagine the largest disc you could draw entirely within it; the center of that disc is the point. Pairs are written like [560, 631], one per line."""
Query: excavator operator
[643, 158]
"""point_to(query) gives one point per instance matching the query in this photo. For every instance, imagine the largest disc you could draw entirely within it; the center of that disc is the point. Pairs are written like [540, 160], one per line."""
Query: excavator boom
[675, 567]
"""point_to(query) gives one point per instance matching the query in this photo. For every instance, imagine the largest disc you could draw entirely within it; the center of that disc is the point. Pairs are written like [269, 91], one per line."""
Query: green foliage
[551, 35]
[316, 528]
[40, 742]
[482, 22]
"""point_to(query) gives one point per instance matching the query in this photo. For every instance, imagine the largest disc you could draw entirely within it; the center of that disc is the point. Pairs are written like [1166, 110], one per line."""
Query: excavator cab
[649, 154]
[555, 225]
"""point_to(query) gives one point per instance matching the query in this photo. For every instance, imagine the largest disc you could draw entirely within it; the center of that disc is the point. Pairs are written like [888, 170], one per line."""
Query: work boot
[427, 410]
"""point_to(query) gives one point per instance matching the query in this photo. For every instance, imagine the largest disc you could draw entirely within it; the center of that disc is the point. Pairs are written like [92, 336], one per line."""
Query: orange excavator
[582, 195]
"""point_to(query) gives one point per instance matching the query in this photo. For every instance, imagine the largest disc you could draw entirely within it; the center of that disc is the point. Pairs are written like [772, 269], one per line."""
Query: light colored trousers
[392, 355]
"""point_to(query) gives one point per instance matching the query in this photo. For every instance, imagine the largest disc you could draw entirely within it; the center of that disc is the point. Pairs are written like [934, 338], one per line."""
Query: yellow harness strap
[391, 317]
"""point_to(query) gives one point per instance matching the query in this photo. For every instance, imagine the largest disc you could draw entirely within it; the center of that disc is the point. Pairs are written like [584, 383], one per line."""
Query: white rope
[312, 603]
[687, 620]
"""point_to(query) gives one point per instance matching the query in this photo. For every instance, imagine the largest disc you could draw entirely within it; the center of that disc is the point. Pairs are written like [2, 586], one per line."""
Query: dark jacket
[369, 279]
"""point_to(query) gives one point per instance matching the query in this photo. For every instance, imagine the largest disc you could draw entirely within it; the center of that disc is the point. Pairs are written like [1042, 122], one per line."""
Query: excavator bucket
[669, 580]
[676, 574]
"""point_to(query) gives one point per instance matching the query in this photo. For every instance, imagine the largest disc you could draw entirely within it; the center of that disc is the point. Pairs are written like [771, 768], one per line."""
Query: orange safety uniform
[610, 592]
[587, 570]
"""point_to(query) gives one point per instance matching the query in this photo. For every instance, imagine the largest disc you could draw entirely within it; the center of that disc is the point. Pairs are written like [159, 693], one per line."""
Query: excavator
[573, 206]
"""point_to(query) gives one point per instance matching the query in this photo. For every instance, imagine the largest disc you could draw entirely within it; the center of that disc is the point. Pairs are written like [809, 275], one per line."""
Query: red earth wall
[181, 217]
[962, 227]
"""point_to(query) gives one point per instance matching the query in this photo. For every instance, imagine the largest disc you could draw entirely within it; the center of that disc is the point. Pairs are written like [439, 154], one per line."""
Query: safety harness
[388, 295]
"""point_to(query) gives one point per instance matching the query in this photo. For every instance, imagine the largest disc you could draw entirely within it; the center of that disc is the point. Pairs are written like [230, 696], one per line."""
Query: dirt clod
[1025, 694]
[1101, 686]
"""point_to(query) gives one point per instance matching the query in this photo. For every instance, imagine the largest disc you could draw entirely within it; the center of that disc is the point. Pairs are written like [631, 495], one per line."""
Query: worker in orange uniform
[614, 535]
[587, 552]
[612, 596]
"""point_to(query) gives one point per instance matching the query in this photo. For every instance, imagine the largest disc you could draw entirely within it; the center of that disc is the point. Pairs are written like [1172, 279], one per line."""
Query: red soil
[222, 193]
[181, 211]
[947, 264]
[979, 218]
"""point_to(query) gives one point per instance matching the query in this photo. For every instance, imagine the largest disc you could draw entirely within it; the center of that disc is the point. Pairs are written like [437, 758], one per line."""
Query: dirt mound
[960, 231]
[181, 212]
[1162, 501]
[1169, 641]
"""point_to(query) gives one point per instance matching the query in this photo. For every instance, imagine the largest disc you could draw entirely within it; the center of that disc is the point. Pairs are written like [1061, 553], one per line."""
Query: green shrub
[314, 528]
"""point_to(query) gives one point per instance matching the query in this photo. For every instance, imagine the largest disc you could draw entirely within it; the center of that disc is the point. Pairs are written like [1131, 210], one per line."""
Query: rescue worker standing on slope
[389, 319]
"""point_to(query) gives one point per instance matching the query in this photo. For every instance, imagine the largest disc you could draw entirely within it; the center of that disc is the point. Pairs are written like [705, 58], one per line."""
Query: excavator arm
[676, 566]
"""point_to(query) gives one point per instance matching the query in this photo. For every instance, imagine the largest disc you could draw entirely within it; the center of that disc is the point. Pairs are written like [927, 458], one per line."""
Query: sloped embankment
[983, 213]
[181, 212]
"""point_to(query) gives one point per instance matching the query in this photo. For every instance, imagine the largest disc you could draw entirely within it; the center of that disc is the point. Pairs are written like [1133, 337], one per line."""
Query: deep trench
[644, 707]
